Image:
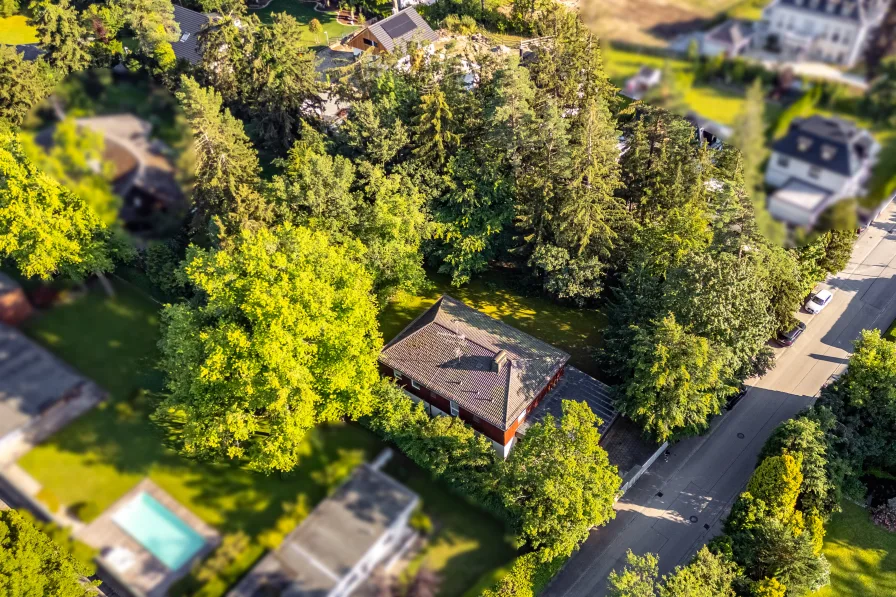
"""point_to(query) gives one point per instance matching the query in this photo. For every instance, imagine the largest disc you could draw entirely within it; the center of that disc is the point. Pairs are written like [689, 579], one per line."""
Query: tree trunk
[107, 286]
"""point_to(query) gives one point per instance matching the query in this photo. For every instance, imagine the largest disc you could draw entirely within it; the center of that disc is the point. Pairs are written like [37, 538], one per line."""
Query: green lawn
[574, 330]
[304, 12]
[16, 30]
[862, 556]
[103, 454]
[710, 101]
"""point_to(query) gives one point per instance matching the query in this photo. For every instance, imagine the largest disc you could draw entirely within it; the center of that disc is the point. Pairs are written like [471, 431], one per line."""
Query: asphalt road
[680, 503]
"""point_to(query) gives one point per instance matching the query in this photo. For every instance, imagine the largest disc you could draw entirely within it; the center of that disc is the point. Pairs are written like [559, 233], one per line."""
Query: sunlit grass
[862, 556]
[15, 30]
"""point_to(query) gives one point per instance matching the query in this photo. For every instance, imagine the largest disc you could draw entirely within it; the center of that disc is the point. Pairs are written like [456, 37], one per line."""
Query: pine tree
[226, 163]
[433, 131]
[62, 35]
[751, 139]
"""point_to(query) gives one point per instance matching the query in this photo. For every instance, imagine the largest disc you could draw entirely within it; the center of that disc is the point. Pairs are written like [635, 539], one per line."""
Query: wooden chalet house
[394, 33]
[462, 363]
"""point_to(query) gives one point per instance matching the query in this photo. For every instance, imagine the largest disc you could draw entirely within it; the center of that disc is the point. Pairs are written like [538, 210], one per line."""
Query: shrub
[293, 514]
[48, 499]
[86, 511]
[420, 522]
[232, 546]
[463, 25]
[527, 576]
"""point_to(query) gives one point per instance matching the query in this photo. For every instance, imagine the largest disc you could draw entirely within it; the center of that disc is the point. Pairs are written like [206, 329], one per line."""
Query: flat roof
[330, 542]
[31, 379]
[801, 194]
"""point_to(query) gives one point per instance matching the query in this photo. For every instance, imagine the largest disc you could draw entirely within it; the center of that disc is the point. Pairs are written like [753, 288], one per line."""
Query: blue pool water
[159, 530]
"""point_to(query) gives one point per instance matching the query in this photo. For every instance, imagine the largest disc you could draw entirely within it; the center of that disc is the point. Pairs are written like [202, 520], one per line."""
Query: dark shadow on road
[872, 296]
[829, 359]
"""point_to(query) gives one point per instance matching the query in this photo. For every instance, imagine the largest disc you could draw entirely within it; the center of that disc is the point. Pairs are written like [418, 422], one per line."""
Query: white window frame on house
[397, 374]
[455, 409]
[414, 384]
[814, 172]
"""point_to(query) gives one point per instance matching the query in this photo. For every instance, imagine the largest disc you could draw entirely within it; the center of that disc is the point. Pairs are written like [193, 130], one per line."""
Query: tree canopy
[33, 564]
[283, 337]
[559, 482]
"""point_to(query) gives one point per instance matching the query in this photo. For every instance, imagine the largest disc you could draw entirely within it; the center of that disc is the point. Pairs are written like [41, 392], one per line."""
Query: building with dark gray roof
[336, 547]
[190, 23]
[394, 33]
[32, 382]
[462, 362]
[820, 161]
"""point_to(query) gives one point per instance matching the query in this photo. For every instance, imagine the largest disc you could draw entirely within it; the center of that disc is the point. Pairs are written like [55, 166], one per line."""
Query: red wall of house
[490, 431]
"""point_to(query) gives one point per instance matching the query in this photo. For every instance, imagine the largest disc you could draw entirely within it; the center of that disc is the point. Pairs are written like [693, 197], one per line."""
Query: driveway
[679, 504]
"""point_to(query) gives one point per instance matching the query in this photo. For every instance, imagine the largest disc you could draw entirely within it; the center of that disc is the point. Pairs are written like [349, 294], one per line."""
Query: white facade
[782, 168]
[815, 30]
[385, 547]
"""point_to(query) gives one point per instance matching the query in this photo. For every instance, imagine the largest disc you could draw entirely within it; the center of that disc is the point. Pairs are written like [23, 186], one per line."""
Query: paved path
[703, 475]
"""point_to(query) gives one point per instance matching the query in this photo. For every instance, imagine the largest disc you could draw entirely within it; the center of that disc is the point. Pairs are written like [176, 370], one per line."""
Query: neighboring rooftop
[830, 143]
[853, 10]
[191, 23]
[401, 28]
[731, 32]
[580, 387]
[489, 368]
[31, 380]
[315, 557]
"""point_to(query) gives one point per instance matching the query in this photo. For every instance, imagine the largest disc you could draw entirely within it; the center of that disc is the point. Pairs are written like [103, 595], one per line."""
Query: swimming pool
[159, 530]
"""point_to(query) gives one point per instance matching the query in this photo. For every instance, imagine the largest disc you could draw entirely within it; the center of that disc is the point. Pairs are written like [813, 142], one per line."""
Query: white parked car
[819, 301]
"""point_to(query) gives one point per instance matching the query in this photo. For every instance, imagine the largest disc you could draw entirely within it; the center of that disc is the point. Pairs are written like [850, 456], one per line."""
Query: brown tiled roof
[452, 350]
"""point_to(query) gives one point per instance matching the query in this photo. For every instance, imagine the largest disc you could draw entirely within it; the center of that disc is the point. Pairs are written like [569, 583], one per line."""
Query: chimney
[500, 359]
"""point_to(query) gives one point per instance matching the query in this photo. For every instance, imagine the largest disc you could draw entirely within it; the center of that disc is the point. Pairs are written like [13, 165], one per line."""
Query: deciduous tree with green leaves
[559, 483]
[45, 229]
[76, 160]
[282, 337]
[675, 384]
[32, 564]
[707, 575]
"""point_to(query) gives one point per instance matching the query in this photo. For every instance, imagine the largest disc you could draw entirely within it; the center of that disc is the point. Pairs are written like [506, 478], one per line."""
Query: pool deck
[147, 576]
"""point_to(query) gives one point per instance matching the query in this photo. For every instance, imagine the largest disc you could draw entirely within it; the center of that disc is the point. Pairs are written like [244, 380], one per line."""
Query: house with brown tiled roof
[463, 363]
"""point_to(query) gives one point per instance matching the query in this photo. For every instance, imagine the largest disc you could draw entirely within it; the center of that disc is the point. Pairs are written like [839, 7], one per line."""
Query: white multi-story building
[820, 162]
[834, 31]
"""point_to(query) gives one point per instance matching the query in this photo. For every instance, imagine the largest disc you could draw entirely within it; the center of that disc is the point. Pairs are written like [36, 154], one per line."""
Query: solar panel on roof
[398, 25]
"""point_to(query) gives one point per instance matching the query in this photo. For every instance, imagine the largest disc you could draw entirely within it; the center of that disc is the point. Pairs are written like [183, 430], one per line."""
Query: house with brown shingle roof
[461, 362]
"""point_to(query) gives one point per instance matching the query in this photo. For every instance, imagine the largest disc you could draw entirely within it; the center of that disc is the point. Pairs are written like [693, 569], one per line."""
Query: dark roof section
[844, 9]
[30, 52]
[31, 379]
[579, 387]
[456, 352]
[333, 539]
[191, 23]
[829, 143]
[732, 33]
[397, 30]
